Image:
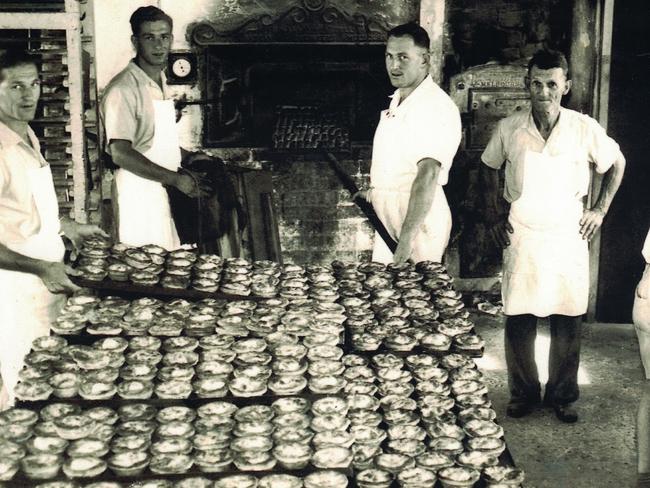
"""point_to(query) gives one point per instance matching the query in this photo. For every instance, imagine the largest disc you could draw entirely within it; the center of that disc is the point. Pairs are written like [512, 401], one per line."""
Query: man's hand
[499, 232]
[364, 194]
[187, 182]
[78, 233]
[55, 277]
[590, 222]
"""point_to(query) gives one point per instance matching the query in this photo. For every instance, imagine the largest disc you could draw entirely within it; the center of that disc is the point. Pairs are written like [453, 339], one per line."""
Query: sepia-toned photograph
[324, 244]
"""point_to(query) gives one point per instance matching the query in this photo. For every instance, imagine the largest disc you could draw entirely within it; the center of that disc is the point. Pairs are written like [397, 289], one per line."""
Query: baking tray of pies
[399, 306]
[140, 441]
[107, 286]
[451, 384]
[470, 391]
[424, 386]
[477, 353]
[193, 401]
[184, 370]
[181, 273]
[379, 346]
[22, 481]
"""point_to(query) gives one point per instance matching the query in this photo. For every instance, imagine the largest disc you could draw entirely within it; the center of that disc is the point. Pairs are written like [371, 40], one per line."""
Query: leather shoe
[566, 413]
[517, 409]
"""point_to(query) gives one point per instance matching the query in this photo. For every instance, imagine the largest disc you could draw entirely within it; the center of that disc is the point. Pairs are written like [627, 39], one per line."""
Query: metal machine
[484, 95]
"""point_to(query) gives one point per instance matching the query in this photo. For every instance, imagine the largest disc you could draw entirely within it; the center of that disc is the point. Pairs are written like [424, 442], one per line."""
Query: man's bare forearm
[497, 225]
[423, 192]
[13, 261]
[131, 160]
[490, 184]
[611, 182]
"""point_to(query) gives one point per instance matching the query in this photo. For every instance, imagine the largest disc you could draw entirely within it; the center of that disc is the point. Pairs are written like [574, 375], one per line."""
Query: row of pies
[291, 433]
[415, 477]
[174, 368]
[151, 265]
[117, 316]
[315, 479]
[327, 283]
[419, 474]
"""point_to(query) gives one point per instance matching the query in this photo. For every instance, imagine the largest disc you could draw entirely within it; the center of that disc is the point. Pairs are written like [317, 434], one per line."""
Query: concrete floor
[599, 450]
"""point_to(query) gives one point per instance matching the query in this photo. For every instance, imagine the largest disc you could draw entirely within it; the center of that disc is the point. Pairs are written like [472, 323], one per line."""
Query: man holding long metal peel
[413, 149]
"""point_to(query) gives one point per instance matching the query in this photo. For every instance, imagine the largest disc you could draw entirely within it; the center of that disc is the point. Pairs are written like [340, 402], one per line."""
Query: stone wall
[506, 31]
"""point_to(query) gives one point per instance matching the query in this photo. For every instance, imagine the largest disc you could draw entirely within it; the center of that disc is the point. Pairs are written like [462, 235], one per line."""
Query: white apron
[391, 202]
[144, 215]
[546, 265]
[27, 308]
[641, 309]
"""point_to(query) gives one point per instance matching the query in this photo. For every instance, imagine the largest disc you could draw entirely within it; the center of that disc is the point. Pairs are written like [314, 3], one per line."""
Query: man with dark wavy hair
[140, 124]
[548, 153]
[33, 278]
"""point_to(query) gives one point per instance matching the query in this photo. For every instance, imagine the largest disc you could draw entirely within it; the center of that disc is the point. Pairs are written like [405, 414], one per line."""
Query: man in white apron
[548, 154]
[140, 123]
[33, 279]
[413, 149]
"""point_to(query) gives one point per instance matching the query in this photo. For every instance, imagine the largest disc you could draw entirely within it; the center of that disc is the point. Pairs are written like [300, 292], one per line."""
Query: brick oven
[292, 85]
[293, 97]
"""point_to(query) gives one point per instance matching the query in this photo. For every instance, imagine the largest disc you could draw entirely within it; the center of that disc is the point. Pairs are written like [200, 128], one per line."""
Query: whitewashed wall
[113, 48]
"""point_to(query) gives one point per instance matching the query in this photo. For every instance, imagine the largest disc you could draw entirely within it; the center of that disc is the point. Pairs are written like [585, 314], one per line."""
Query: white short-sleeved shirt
[646, 248]
[19, 217]
[577, 136]
[127, 108]
[425, 125]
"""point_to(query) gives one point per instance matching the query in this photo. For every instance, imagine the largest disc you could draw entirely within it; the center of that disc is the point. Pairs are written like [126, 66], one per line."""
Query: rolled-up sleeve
[119, 114]
[603, 150]
[434, 135]
[19, 217]
[494, 154]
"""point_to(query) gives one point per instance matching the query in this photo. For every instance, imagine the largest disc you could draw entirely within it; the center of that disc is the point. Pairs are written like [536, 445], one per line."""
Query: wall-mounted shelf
[57, 31]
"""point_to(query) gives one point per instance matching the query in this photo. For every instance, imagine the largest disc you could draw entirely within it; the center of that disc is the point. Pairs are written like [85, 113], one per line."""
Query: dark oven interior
[294, 96]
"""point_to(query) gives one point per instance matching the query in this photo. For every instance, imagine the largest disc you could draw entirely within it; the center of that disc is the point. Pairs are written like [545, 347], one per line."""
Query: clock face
[181, 67]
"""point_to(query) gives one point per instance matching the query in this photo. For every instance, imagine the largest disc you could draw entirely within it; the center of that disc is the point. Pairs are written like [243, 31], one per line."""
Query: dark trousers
[564, 359]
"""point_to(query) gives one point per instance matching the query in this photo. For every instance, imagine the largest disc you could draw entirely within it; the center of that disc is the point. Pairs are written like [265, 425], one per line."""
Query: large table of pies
[190, 371]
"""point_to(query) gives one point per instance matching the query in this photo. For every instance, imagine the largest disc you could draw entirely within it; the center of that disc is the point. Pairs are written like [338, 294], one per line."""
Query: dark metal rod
[349, 184]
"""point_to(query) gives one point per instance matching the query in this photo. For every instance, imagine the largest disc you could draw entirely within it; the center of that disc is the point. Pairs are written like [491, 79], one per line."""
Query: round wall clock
[181, 68]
